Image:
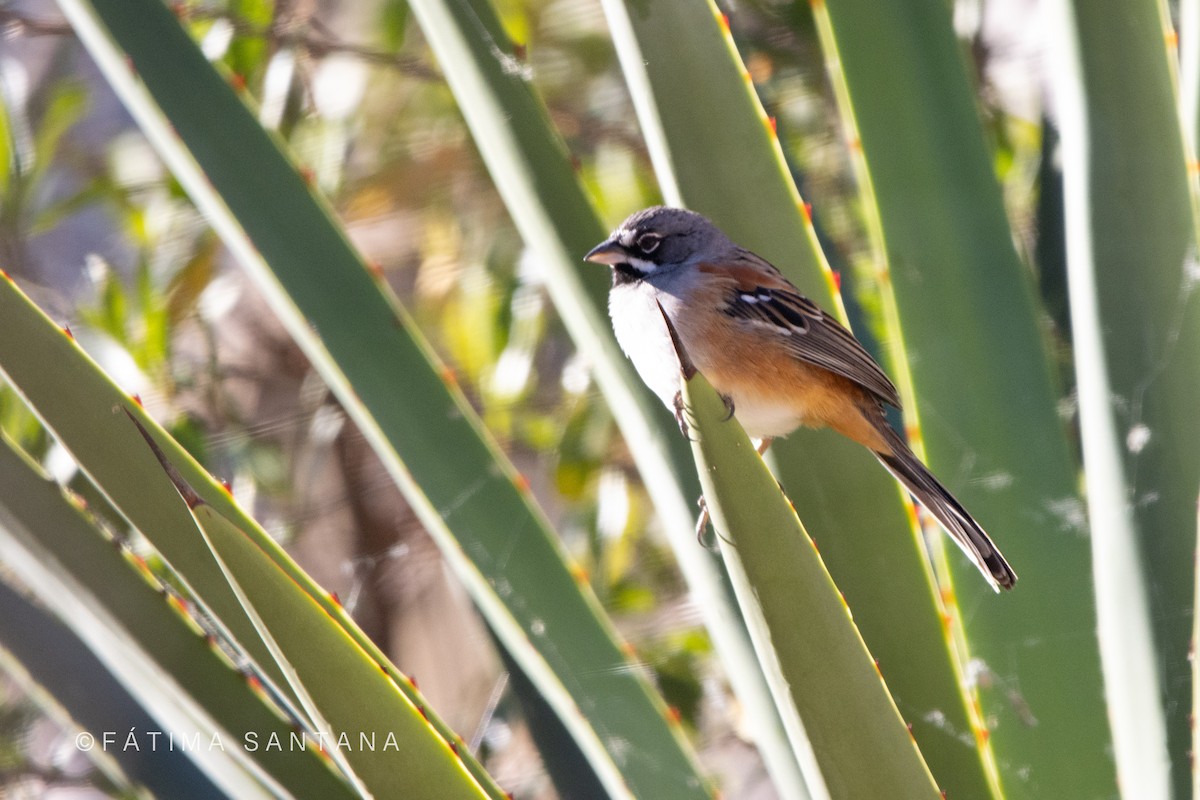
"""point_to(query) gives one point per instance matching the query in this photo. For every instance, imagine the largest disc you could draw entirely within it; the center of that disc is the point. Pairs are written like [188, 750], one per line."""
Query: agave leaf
[357, 712]
[1136, 327]
[679, 65]
[533, 173]
[967, 343]
[830, 692]
[82, 407]
[462, 488]
[133, 644]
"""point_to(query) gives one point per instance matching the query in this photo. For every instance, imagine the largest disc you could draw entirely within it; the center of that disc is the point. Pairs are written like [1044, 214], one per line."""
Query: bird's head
[657, 240]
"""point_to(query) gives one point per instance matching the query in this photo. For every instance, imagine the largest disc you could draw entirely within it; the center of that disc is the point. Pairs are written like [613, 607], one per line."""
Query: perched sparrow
[778, 359]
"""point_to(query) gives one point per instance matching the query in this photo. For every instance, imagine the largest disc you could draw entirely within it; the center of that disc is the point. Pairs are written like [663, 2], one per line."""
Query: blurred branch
[15, 24]
[311, 36]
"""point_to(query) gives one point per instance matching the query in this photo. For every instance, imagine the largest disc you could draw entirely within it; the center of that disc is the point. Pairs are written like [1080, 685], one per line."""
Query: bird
[779, 360]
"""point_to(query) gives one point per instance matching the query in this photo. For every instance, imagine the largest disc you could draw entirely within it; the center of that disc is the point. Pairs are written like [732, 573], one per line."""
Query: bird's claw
[702, 524]
[681, 413]
[680, 416]
[728, 401]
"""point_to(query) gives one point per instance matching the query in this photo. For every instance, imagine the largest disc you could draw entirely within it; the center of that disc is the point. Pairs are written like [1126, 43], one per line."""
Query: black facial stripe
[626, 273]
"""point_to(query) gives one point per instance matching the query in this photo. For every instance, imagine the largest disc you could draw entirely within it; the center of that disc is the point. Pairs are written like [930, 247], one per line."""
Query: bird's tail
[961, 526]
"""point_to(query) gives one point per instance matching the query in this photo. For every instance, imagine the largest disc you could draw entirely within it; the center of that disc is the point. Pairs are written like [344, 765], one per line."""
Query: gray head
[659, 239]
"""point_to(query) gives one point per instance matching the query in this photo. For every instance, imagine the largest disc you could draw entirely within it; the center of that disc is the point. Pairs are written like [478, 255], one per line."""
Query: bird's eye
[648, 242]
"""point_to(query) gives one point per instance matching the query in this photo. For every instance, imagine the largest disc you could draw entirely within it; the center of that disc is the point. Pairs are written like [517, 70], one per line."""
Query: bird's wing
[759, 294]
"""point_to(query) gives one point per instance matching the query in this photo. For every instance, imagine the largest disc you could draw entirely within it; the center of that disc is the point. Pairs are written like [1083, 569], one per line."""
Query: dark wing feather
[765, 297]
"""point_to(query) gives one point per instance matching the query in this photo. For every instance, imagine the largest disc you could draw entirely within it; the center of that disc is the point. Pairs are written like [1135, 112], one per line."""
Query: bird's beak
[609, 252]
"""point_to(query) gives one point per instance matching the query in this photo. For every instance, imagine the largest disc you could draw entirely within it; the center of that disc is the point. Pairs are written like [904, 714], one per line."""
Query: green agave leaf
[56, 671]
[817, 662]
[680, 64]
[1189, 76]
[455, 477]
[1196, 674]
[1131, 265]
[533, 173]
[156, 652]
[82, 407]
[968, 335]
[8, 163]
[379, 736]
[76, 401]
[390, 750]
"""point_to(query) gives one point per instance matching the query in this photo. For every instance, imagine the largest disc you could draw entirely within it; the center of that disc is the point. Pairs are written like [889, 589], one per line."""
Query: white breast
[643, 336]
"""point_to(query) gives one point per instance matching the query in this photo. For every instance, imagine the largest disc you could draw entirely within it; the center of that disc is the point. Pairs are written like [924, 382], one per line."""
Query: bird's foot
[728, 401]
[702, 525]
[681, 416]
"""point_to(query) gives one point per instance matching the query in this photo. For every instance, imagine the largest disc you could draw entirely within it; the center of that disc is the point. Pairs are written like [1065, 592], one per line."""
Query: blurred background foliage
[99, 234]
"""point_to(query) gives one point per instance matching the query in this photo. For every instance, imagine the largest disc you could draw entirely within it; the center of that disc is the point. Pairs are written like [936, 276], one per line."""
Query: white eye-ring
[648, 242]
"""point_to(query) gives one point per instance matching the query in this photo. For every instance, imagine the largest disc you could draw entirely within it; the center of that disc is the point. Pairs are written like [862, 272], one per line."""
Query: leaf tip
[188, 494]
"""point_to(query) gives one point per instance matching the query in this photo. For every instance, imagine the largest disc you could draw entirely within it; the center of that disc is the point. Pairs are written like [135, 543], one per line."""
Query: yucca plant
[1072, 685]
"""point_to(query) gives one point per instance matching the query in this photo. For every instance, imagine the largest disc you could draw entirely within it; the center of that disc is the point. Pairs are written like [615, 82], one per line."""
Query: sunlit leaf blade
[127, 622]
[1196, 672]
[534, 175]
[47, 662]
[1131, 261]
[820, 669]
[680, 65]
[460, 485]
[1189, 74]
[563, 761]
[90, 417]
[970, 336]
[80, 405]
[7, 151]
[362, 717]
